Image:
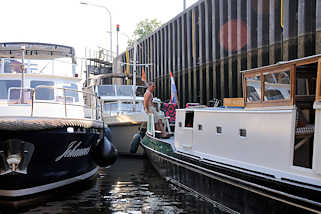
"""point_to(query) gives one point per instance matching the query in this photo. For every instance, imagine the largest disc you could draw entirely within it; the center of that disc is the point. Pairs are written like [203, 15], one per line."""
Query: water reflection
[130, 186]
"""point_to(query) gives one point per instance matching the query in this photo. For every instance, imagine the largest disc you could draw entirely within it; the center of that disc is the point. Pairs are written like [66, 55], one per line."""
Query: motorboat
[255, 154]
[123, 111]
[51, 132]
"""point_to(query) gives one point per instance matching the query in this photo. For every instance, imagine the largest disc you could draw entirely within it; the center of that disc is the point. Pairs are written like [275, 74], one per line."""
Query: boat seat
[302, 127]
[308, 129]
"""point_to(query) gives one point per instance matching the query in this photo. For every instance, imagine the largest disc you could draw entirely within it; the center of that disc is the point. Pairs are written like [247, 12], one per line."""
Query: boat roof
[298, 62]
[35, 50]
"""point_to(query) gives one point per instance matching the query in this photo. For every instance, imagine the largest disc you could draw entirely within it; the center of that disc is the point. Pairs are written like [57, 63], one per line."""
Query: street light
[110, 24]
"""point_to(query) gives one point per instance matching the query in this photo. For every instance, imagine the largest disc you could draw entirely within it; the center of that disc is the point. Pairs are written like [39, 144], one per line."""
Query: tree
[143, 29]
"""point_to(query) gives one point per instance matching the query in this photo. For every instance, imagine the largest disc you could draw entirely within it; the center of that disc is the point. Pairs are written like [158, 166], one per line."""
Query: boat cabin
[48, 86]
[294, 84]
[274, 129]
[119, 99]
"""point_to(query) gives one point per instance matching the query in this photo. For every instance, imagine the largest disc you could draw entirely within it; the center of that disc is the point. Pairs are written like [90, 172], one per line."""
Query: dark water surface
[129, 186]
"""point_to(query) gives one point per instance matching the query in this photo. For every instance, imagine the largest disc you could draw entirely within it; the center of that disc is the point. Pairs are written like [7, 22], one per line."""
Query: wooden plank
[223, 93]
[318, 93]
[231, 83]
[194, 56]
[272, 38]
[249, 37]
[301, 28]
[234, 102]
[215, 95]
[201, 31]
[189, 57]
[207, 79]
[318, 27]
[183, 36]
[293, 83]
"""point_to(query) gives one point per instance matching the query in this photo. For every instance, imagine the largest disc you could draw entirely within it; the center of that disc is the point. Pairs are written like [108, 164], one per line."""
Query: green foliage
[143, 29]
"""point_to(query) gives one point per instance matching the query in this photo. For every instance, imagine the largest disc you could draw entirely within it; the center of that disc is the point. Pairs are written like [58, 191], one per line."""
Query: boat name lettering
[72, 151]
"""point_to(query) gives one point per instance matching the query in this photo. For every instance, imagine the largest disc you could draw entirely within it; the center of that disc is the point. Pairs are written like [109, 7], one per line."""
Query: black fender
[134, 144]
[108, 134]
[104, 153]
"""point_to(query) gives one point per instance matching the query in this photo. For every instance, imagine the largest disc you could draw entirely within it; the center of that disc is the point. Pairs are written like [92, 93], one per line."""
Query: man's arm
[146, 102]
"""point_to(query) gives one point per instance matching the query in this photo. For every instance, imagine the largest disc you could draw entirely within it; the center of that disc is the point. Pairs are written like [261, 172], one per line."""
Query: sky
[67, 22]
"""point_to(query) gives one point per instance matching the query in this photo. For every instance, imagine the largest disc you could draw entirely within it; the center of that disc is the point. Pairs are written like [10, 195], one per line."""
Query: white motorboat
[123, 111]
[257, 154]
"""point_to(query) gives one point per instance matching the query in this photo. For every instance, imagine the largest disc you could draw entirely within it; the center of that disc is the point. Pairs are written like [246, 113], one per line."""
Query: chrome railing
[118, 107]
[90, 103]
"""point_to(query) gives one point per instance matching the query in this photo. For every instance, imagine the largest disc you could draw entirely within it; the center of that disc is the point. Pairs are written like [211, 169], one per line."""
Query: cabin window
[73, 93]
[243, 132]
[19, 96]
[5, 85]
[218, 130]
[189, 119]
[106, 90]
[277, 86]
[140, 91]
[43, 93]
[12, 66]
[253, 89]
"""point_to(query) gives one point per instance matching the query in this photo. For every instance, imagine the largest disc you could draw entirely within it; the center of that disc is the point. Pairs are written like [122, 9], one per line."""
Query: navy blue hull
[59, 157]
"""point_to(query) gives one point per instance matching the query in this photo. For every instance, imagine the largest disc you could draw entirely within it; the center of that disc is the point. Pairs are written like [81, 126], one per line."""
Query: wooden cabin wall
[207, 45]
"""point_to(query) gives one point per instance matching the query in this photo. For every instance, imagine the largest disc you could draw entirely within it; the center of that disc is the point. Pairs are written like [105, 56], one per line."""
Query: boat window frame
[8, 88]
[245, 87]
[318, 86]
[189, 120]
[262, 72]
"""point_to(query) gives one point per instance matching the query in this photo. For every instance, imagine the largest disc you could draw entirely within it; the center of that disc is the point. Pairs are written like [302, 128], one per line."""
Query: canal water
[131, 185]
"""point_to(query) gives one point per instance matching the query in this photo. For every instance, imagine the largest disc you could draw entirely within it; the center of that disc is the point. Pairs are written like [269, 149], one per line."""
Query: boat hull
[122, 135]
[50, 158]
[234, 190]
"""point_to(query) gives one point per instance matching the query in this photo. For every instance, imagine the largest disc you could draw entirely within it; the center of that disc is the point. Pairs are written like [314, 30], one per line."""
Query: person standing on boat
[150, 109]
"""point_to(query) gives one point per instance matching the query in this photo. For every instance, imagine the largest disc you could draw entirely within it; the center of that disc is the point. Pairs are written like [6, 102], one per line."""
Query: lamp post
[110, 24]
[184, 4]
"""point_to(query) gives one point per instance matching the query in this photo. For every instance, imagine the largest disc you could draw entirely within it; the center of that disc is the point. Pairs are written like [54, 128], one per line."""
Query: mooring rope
[36, 123]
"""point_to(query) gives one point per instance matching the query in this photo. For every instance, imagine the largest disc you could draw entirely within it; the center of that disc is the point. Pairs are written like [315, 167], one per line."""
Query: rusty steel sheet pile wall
[208, 44]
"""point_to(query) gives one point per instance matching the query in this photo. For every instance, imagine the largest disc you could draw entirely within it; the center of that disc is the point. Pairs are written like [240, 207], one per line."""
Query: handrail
[118, 107]
[81, 99]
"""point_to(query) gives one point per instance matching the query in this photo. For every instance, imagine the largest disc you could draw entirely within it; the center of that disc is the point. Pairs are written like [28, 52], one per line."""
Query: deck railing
[75, 103]
[118, 107]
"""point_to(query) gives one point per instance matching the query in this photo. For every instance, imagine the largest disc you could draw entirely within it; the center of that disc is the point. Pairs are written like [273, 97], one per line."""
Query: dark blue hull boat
[40, 160]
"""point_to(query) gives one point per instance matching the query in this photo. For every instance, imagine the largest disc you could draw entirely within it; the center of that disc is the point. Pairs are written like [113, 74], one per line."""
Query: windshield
[61, 66]
[5, 85]
[124, 90]
[106, 90]
[120, 90]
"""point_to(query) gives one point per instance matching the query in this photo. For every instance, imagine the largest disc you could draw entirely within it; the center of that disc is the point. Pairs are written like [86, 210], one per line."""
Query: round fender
[134, 144]
[142, 132]
[108, 134]
[104, 153]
